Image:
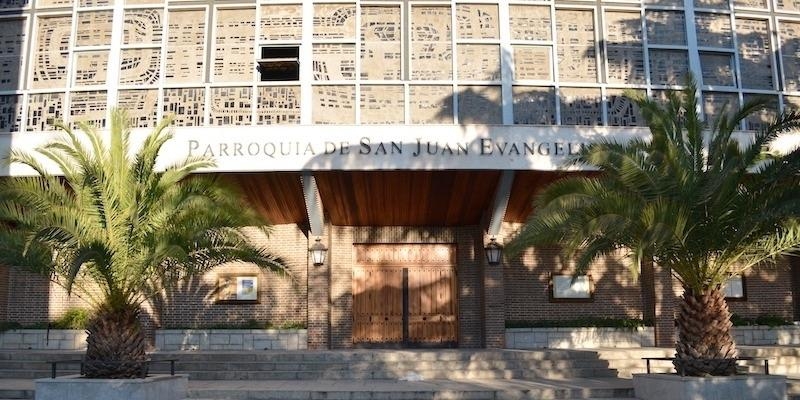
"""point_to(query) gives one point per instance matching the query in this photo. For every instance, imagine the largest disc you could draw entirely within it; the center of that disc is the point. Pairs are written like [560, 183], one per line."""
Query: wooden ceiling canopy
[527, 185]
[406, 198]
[392, 198]
[278, 196]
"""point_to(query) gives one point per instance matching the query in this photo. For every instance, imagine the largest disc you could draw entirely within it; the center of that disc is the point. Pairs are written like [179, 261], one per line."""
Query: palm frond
[696, 201]
[119, 222]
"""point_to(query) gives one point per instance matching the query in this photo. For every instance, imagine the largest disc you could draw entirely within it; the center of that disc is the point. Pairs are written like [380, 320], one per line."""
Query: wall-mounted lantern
[494, 252]
[318, 252]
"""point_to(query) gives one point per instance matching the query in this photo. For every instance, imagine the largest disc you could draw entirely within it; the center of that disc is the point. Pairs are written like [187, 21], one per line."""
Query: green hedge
[633, 323]
[73, 318]
[766, 320]
[249, 324]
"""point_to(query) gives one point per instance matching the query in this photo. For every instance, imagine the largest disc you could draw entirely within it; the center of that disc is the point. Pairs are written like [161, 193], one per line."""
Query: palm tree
[692, 199]
[119, 231]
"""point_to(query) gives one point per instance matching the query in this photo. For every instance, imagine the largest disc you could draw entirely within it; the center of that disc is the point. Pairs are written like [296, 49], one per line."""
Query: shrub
[74, 318]
[9, 325]
[764, 319]
[292, 325]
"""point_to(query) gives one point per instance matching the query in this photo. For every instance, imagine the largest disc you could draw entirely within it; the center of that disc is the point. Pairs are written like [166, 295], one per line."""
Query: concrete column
[665, 304]
[319, 295]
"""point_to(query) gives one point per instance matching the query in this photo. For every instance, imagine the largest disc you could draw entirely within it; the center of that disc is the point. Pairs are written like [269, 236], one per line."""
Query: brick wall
[769, 291]
[280, 299]
[647, 282]
[469, 242]
[341, 256]
[666, 293]
[527, 277]
[32, 298]
[319, 294]
[494, 302]
[29, 297]
[795, 272]
[524, 289]
[4, 278]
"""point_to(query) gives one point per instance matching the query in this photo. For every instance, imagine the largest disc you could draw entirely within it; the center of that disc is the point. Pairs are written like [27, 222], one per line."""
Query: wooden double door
[405, 295]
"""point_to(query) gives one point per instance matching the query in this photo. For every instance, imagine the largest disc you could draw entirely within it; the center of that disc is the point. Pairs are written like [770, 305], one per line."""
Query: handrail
[681, 361]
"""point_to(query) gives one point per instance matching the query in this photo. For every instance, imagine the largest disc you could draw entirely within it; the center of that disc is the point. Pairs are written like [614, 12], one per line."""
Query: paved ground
[584, 388]
[457, 389]
[16, 384]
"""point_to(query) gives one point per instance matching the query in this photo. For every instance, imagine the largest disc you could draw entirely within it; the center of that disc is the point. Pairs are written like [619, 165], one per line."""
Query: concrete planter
[41, 339]
[231, 339]
[578, 338]
[74, 387]
[767, 336]
[737, 387]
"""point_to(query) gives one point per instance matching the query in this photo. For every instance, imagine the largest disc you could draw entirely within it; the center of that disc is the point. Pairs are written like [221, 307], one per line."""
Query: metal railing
[681, 361]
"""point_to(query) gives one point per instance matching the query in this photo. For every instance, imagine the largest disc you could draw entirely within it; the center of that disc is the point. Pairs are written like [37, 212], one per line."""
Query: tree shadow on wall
[536, 105]
[476, 105]
[670, 66]
[202, 302]
[615, 292]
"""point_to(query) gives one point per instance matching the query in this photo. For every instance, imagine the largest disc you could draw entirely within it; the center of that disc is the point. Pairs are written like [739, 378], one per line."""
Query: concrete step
[783, 360]
[361, 396]
[404, 395]
[422, 390]
[368, 366]
[754, 351]
[576, 389]
[10, 393]
[379, 375]
[377, 356]
[36, 355]
[399, 367]
[793, 385]
[357, 364]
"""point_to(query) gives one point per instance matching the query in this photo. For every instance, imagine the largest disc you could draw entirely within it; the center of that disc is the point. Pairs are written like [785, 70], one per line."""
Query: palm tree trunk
[115, 344]
[705, 345]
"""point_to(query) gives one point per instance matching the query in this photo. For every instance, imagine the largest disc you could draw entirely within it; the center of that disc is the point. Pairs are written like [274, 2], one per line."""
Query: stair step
[338, 365]
[413, 394]
[16, 394]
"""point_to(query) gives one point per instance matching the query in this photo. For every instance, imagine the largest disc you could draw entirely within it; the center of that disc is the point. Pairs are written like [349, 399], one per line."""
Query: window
[734, 288]
[571, 288]
[279, 63]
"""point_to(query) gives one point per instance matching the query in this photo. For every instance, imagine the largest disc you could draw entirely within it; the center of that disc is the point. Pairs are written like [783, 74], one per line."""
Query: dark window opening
[279, 63]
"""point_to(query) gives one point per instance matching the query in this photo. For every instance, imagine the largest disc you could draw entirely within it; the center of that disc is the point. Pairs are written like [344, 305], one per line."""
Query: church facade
[402, 136]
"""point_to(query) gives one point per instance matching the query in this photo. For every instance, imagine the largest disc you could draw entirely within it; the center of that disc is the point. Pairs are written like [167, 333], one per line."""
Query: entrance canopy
[394, 198]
